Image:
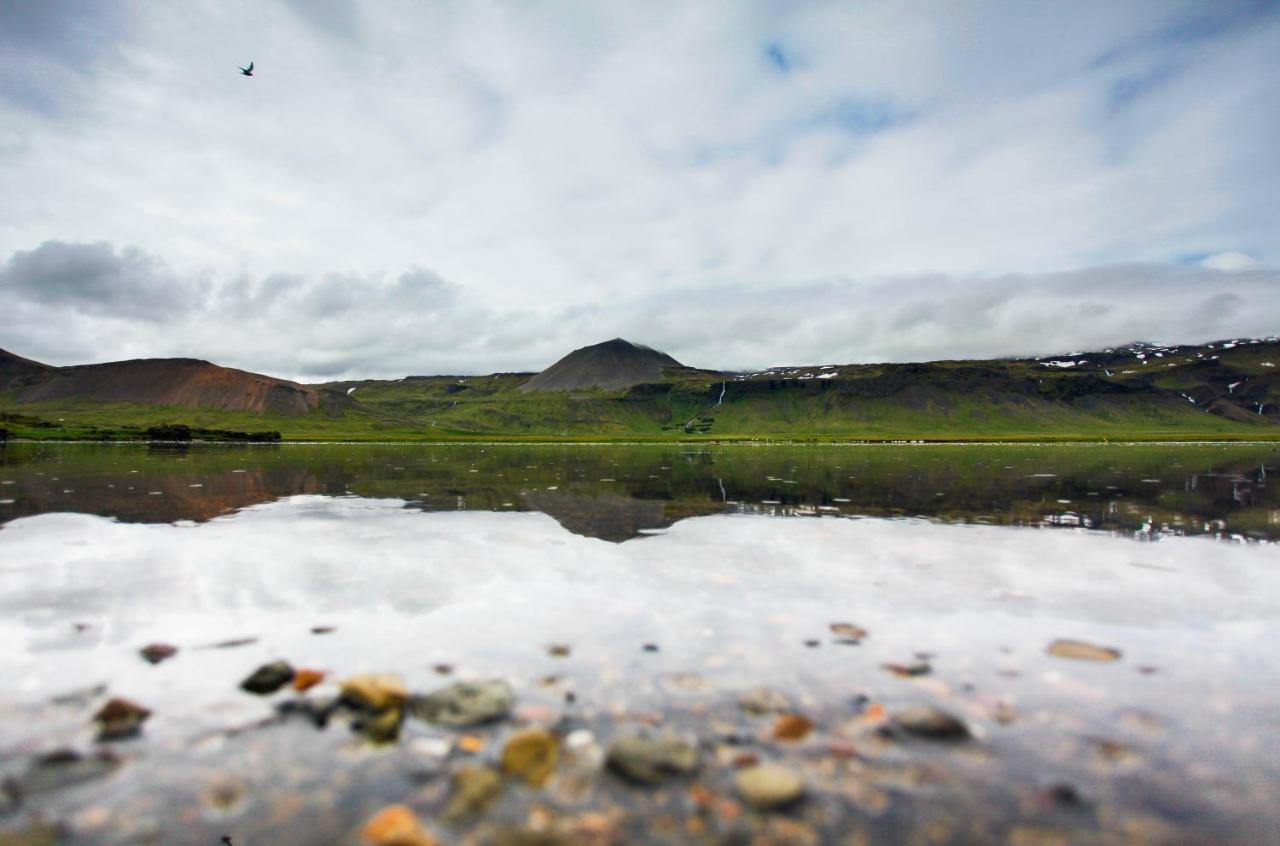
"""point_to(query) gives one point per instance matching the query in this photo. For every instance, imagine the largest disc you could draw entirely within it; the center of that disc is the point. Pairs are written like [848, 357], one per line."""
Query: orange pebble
[471, 743]
[396, 825]
[306, 679]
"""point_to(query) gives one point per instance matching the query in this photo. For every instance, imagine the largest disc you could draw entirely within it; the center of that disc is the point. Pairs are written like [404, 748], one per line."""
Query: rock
[268, 678]
[933, 723]
[531, 755]
[305, 679]
[473, 789]
[396, 825]
[848, 632]
[321, 630]
[156, 652]
[380, 726]
[764, 700]
[465, 704]
[64, 768]
[652, 760]
[792, 727]
[915, 668]
[650, 647]
[769, 786]
[558, 650]
[372, 692]
[1079, 650]
[119, 718]
[233, 643]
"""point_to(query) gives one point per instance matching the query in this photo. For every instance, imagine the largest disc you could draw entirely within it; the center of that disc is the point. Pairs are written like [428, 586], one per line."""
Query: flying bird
[247, 71]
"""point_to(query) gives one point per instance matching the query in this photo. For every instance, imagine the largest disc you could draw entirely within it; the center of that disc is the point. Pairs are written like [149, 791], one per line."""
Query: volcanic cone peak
[611, 365]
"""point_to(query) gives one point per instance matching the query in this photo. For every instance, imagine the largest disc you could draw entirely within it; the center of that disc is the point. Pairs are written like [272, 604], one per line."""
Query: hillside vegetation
[1226, 390]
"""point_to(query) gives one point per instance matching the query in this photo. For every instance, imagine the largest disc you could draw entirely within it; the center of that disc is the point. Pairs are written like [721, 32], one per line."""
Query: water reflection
[617, 493]
[1173, 741]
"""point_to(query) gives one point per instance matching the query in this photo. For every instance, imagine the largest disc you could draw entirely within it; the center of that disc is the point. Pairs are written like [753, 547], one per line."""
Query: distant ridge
[612, 365]
[183, 382]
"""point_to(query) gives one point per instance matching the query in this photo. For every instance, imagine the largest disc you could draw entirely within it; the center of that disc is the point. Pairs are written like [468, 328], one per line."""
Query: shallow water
[730, 563]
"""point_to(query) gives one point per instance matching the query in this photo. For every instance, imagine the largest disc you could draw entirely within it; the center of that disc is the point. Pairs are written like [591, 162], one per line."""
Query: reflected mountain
[617, 493]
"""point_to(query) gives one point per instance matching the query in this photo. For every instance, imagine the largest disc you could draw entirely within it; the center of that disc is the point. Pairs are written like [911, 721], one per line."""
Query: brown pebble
[1079, 650]
[792, 727]
[120, 718]
[558, 650]
[156, 652]
[396, 825]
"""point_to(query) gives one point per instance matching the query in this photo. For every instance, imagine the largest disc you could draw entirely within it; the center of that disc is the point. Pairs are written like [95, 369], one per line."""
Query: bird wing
[251, 66]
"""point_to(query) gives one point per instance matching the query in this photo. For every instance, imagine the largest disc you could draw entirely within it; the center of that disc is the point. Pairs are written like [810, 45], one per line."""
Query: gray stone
[929, 722]
[652, 760]
[768, 786]
[465, 704]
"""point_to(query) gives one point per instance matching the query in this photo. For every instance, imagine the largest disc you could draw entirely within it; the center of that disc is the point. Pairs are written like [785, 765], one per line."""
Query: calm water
[619, 589]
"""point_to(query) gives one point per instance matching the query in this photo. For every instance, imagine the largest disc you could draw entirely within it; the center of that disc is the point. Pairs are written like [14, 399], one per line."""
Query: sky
[479, 186]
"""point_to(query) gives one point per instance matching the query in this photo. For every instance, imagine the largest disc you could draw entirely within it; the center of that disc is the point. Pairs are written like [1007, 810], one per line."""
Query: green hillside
[1227, 390]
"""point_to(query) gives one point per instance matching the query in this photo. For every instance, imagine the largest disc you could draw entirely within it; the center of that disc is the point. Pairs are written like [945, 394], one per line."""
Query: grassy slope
[1000, 400]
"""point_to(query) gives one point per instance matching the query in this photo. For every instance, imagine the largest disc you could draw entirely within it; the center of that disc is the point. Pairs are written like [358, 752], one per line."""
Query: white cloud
[1231, 260]
[547, 159]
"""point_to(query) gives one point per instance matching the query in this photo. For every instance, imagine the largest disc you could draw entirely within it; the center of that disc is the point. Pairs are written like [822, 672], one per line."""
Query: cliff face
[612, 365]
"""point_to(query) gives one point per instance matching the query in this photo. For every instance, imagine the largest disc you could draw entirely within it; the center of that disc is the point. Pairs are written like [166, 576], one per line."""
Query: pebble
[305, 679]
[929, 722]
[769, 786]
[120, 718]
[764, 700]
[474, 788]
[1079, 650]
[396, 825]
[848, 632]
[465, 704]
[154, 653]
[268, 678]
[531, 755]
[916, 668]
[375, 692]
[792, 727]
[652, 760]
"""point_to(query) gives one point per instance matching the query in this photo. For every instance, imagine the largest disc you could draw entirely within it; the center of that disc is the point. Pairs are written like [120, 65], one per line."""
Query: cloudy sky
[476, 186]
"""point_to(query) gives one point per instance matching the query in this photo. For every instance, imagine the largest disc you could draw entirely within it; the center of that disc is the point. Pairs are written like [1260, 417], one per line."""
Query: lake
[856, 644]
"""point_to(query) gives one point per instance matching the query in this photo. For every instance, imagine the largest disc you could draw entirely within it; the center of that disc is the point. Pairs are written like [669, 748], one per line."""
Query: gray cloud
[92, 302]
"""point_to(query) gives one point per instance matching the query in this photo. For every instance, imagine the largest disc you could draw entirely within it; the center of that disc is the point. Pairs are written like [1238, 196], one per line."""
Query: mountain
[612, 365]
[181, 382]
[620, 390]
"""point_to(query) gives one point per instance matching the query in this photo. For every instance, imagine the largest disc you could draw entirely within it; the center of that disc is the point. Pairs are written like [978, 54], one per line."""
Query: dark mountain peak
[612, 365]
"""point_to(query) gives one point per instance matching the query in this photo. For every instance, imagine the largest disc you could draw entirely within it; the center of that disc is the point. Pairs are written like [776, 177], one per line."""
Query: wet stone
[531, 755]
[929, 722]
[375, 692]
[652, 760]
[474, 788]
[120, 718]
[380, 726]
[154, 653]
[396, 825]
[848, 633]
[792, 727]
[465, 704]
[63, 768]
[769, 786]
[764, 700]
[1079, 650]
[268, 678]
[305, 679]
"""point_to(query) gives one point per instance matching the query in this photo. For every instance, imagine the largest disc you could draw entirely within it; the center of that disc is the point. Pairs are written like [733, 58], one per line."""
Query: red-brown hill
[185, 382]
